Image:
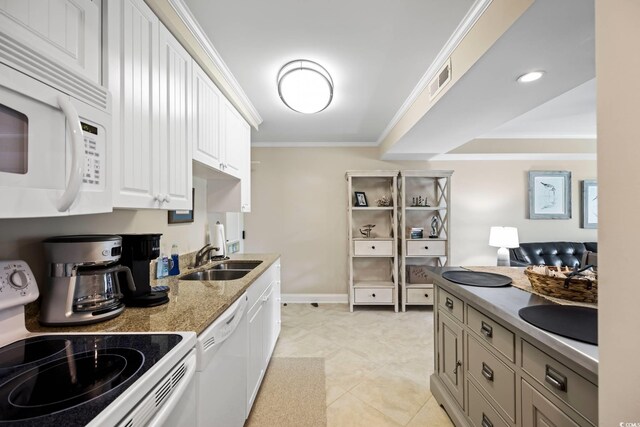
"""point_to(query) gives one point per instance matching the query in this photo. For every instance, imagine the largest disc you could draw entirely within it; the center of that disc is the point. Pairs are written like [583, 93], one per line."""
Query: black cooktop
[69, 379]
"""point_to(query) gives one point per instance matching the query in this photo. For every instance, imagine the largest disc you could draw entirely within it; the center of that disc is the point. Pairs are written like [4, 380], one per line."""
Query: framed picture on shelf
[361, 199]
[417, 274]
[549, 194]
[589, 203]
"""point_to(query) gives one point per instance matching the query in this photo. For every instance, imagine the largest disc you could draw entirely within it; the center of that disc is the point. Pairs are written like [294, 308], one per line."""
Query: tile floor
[377, 362]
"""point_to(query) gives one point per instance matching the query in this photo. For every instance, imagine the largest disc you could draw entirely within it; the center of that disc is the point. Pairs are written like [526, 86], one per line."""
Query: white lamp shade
[305, 86]
[504, 237]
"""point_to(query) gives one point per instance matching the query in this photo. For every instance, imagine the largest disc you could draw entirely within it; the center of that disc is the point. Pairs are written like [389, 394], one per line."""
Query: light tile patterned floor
[377, 362]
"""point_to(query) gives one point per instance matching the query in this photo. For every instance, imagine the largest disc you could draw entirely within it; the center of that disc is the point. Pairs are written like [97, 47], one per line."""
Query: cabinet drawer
[420, 296]
[481, 413]
[374, 295]
[496, 378]
[373, 248]
[426, 248]
[492, 333]
[450, 304]
[539, 411]
[572, 388]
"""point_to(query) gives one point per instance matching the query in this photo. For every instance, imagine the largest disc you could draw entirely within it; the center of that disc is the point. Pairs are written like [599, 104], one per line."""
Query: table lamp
[503, 238]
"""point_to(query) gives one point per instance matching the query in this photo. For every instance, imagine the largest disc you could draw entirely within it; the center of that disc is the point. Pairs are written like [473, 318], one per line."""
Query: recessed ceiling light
[305, 86]
[530, 77]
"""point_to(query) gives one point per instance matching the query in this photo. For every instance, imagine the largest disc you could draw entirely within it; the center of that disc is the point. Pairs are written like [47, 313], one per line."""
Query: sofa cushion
[559, 254]
[591, 246]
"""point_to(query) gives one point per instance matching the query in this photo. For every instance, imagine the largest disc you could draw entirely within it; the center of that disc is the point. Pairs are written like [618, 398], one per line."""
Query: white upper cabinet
[206, 113]
[65, 30]
[234, 137]
[149, 75]
[175, 146]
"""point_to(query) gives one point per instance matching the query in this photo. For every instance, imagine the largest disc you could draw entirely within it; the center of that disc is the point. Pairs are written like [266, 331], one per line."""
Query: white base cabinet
[264, 322]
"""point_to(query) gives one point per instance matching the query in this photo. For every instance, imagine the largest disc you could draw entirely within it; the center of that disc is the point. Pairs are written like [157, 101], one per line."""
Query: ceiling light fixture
[530, 77]
[305, 86]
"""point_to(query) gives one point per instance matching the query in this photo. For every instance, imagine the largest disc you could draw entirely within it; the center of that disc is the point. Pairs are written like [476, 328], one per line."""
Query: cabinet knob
[426, 247]
[426, 295]
[455, 370]
[373, 247]
[159, 198]
[373, 295]
[167, 198]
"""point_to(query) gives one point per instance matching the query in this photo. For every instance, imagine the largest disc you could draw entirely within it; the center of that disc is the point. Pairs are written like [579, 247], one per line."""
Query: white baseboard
[309, 298]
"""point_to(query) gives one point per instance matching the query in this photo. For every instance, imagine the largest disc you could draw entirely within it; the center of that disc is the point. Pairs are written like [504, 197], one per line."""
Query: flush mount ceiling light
[530, 77]
[305, 86]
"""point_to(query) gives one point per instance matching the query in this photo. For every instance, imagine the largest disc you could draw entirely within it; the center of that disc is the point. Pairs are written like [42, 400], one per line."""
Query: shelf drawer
[570, 387]
[492, 333]
[420, 296]
[496, 378]
[426, 248]
[373, 248]
[374, 295]
[452, 305]
[481, 413]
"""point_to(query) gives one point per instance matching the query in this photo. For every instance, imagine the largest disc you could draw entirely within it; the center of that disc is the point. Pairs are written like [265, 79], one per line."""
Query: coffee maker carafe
[138, 250]
[83, 280]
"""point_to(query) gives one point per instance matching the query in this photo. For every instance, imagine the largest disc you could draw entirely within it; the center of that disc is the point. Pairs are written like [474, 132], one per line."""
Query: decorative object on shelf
[503, 238]
[417, 274]
[433, 234]
[361, 199]
[366, 232]
[182, 216]
[549, 194]
[589, 203]
[384, 201]
[417, 233]
[305, 86]
[562, 282]
[419, 202]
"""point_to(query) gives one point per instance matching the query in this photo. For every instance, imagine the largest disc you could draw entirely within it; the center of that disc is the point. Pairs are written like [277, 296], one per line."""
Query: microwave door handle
[77, 155]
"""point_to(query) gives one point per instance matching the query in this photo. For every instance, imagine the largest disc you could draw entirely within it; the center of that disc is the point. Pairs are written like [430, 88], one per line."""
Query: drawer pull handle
[455, 370]
[426, 247]
[486, 422]
[373, 295]
[487, 330]
[426, 295]
[449, 303]
[487, 372]
[373, 247]
[555, 378]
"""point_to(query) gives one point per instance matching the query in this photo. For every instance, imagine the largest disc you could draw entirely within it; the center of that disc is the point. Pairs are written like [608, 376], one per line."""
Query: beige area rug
[520, 281]
[292, 394]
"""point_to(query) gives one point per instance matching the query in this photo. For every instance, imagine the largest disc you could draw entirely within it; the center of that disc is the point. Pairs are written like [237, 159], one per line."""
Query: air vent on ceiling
[440, 80]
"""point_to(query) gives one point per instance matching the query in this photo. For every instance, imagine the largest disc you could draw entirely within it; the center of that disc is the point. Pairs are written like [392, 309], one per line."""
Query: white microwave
[54, 137]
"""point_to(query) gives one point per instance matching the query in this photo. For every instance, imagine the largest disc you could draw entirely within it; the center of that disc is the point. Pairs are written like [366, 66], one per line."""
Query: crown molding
[312, 144]
[246, 107]
[469, 20]
[514, 156]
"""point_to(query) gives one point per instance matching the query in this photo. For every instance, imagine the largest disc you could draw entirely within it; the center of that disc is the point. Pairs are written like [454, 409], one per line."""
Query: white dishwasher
[221, 376]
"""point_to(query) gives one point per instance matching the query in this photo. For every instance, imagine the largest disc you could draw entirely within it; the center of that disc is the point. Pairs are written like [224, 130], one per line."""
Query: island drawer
[373, 295]
[373, 248]
[492, 333]
[496, 378]
[426, 248]
[481, 413]
[578, 392]
[420, 296]
[452, 305]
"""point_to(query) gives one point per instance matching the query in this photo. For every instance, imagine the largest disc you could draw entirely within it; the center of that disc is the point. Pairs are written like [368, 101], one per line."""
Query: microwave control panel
[94, 157]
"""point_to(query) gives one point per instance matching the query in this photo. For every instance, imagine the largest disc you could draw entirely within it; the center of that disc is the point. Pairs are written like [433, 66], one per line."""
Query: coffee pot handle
[130, 283]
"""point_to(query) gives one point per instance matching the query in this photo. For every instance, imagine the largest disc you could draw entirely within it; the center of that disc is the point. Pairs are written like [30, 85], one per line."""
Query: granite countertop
[504, 304]
[193, 305]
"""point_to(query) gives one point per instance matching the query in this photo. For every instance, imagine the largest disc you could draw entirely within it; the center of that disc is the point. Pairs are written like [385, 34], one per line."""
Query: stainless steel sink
[237, 265]
[216, 275]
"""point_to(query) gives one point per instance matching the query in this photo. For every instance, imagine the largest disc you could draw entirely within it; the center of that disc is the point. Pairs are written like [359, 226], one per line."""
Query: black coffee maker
[138, 250]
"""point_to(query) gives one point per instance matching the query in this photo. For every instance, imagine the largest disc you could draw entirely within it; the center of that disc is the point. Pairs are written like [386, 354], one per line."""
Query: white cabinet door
[68, 31]
[233, 134]
[132, 77]
[274, 318]
[245, 171]
[206, 114]
[175, 145]
[256, 365]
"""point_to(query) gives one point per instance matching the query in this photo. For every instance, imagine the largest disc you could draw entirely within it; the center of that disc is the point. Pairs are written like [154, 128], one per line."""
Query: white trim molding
[312, 144]
[249, 110]
[514, 156]
[469, 20]
[319, 298]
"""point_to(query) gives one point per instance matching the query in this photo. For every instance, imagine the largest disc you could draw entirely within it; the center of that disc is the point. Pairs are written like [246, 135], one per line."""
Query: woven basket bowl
[578, 289]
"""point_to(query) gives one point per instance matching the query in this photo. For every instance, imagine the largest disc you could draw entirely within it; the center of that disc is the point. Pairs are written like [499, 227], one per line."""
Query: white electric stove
[88, 379]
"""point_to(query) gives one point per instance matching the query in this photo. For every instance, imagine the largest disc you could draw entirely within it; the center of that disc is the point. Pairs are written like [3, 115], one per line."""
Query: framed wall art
[361, 199]
[549, 194]
[589, 203]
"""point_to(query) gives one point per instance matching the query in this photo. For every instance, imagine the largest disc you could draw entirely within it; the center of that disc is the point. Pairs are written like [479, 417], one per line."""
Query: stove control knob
[19, 279]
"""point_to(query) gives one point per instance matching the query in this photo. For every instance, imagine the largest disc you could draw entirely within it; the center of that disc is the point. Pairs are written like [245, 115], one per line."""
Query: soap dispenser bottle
[175, 262]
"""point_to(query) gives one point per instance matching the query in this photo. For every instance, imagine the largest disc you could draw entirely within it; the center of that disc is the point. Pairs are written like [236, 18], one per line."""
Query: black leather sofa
[559, 254]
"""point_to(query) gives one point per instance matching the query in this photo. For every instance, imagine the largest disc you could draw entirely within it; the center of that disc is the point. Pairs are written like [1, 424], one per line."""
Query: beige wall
[299, 209]
[617, 34]
[21, 238]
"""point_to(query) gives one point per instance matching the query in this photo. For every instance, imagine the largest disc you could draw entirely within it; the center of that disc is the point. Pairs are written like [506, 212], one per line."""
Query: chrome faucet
[201, 255]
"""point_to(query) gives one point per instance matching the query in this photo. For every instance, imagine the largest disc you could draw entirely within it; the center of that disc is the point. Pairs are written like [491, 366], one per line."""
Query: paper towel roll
[219, 240]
